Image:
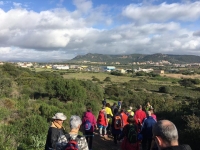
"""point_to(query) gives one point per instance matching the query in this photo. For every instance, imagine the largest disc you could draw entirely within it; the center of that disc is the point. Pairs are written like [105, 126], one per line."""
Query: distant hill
[124, 59]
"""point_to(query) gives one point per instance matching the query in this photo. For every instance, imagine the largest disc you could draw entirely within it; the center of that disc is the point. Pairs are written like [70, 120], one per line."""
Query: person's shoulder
[179, 147]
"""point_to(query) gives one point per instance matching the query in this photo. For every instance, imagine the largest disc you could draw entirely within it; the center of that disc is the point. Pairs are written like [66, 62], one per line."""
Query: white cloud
[83, 6]
[59, 33]
[163, 12]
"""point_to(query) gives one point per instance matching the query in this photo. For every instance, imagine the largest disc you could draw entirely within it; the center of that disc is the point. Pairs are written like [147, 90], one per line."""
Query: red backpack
[72, 143]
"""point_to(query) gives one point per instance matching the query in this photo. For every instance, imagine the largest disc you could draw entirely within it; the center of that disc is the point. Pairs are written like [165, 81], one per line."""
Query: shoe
[106, 136]
[101, 135]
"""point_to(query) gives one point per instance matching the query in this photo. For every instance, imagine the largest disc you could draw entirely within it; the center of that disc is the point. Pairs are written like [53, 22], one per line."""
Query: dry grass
[100, 76]
[179, 76]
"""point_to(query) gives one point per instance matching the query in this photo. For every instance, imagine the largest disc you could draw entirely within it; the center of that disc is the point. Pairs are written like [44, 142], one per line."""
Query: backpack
[132, 134]
[72, 143]
[118, 123]
[101, 116]
[87, 125]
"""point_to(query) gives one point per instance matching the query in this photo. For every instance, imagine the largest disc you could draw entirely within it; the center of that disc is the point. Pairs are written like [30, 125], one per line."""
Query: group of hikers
[131, 130]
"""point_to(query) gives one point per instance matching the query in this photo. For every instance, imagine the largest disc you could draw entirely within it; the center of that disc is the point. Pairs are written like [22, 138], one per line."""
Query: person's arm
[111, 112]
[54, 137]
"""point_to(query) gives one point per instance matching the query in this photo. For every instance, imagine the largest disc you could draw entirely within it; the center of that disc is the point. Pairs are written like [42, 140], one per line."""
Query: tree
[186, 83]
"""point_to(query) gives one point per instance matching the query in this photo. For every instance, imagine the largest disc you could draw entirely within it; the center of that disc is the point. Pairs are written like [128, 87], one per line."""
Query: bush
[107, 79]
[164, 89]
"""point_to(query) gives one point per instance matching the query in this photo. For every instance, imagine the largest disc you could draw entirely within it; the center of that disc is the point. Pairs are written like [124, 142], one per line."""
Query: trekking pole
[88, 135]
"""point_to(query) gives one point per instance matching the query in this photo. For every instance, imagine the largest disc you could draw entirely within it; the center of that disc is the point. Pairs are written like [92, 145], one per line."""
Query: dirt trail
[100, 143]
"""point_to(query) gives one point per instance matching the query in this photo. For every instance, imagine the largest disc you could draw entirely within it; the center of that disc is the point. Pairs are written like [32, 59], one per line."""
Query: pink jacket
[89, 116]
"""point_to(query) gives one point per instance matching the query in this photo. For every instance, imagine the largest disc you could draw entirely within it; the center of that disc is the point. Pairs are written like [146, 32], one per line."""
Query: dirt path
[100, 143]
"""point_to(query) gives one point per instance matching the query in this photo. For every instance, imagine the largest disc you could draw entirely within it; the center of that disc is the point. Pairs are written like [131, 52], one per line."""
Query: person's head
[165, 134]
[107, 104]
[75, 122]
[131, 120]
[148, 104]
[130, 108]
[148, 113]
[139, 107]
[151, 109]
[89, 109]
[122, 110]
[114, 104]
[59, 118]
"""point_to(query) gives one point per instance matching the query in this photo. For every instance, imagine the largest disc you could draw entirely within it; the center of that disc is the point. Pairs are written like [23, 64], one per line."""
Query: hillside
[125, 59]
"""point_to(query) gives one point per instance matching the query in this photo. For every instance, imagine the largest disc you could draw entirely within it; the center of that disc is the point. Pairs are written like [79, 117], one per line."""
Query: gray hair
[166, 130]
[75, 121]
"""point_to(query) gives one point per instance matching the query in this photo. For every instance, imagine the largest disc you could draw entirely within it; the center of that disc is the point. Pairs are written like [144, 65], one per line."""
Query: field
[179, 76]
[100, 76]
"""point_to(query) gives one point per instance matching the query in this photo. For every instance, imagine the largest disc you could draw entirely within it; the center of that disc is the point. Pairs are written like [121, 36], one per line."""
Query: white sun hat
[59, 116]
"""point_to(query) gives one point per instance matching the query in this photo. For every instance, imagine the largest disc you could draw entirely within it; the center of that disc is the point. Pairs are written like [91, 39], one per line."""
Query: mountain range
[125, 59]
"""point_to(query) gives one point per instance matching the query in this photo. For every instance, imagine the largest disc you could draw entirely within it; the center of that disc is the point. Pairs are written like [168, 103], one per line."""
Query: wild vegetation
[29, 99]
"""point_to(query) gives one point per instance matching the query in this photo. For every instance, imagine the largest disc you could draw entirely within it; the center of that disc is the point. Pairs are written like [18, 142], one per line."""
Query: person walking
[130, 135]
[75, 124]
[109, 116]
[102, 122]
[146, 131]
[89, 125]
[139, 116]
[165, 135]
[130, 111]
[55, 131]
[116, 126]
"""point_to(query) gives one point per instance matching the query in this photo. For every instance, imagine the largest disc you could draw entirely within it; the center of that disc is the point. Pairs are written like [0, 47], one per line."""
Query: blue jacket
[147, 125]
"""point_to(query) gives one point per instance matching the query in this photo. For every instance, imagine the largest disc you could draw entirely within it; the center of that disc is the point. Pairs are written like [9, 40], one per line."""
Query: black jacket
[52, 137]
[179, 147]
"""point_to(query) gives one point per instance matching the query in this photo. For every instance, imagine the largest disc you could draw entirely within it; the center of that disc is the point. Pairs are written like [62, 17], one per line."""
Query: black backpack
[132, 134]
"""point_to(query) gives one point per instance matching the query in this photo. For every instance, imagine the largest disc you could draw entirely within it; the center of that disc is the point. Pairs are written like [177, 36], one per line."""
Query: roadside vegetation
[28, 100]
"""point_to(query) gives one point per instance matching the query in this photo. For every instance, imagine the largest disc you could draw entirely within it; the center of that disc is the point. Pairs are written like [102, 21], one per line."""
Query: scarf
[56, 125]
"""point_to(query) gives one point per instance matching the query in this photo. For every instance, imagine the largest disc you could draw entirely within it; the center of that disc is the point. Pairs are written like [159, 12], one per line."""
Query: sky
[42, 30]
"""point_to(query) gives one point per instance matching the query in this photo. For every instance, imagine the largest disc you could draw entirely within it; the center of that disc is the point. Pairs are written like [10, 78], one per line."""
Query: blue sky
[62, 29]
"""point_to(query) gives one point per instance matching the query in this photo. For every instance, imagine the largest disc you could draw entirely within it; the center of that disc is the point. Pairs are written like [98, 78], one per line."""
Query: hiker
[55, 131]
[165, 135]
[152, 113]
[109, 115]
[89, 124]
[130, 111]
[148, 106]
[129, 136]
[116, 126]
[102, 122]
[139, 116]
[104, 102]
[66, 141]
[146, 131]
[114, 106]
[124, 117]
[119, 104]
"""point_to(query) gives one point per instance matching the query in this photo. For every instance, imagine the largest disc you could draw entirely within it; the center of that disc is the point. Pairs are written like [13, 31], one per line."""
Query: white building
[60, 67]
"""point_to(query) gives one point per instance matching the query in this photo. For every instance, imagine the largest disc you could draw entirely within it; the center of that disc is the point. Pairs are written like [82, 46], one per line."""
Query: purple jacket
[89, 116]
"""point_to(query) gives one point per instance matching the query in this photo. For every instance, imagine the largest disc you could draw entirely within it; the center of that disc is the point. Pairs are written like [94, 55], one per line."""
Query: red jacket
[139, 115]
[102, 118]
[124, 118]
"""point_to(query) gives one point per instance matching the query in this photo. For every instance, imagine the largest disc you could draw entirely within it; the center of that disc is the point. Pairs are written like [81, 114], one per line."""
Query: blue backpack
[87, 125]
